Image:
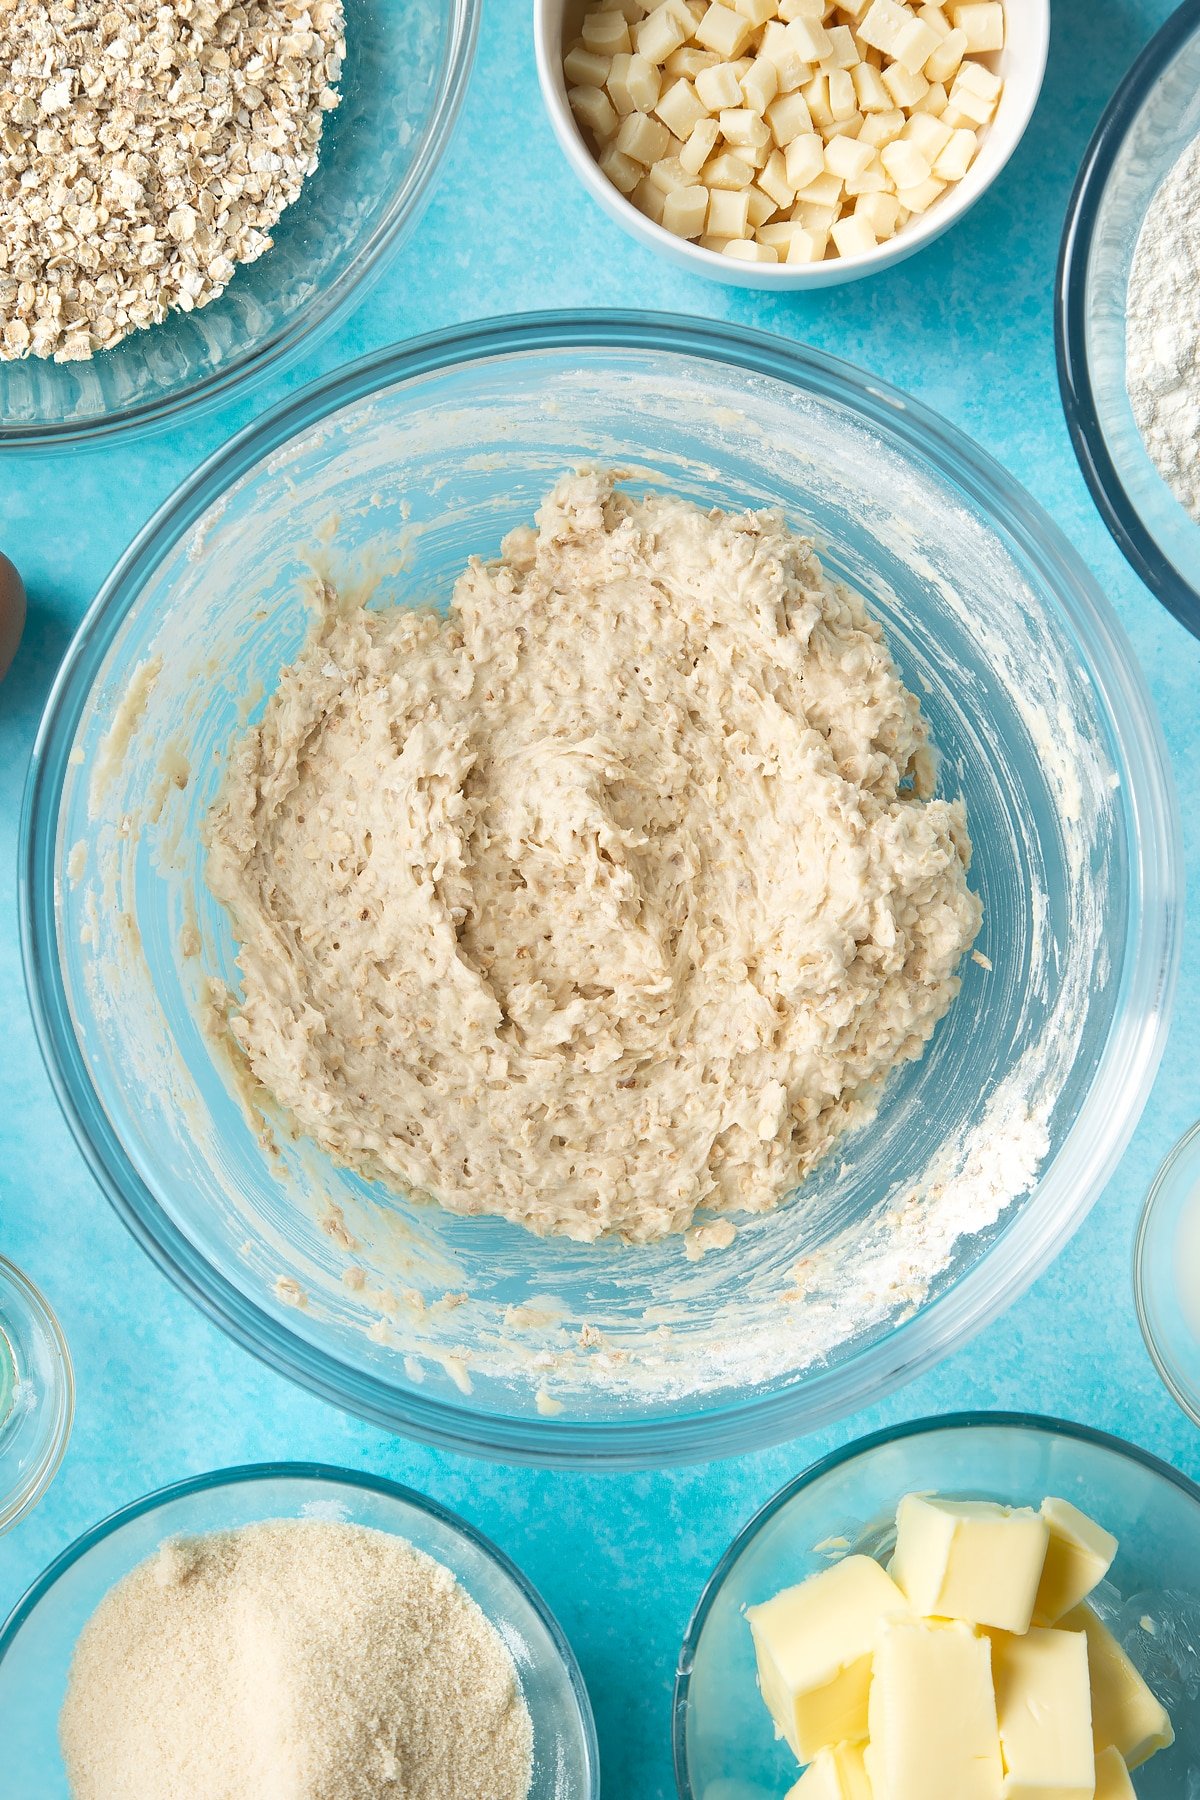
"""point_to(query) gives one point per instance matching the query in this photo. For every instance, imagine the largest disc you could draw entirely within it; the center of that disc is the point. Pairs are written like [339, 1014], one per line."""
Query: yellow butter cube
[1112, 1777]
[1125, 1714]
[1044, 1710]
[970, 1559]
[932, 1714]
[835, 1774]
[814, 1645]
[1080, 1553]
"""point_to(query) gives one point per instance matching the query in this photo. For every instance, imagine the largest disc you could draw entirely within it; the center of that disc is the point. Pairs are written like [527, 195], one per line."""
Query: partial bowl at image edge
[1115, 506]
[985, 1290]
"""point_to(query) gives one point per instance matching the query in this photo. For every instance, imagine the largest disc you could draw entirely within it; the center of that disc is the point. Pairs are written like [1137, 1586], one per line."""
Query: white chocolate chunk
[919, 199]
[825, 190]
[773, 180]
[746, 250]
[719, 87]
[907, 168]
[665, 29]
[814, 1644]
[915, 45]
[983, 22]
[681, 109]
[954, 161]
[869, 90]
[741, 126]
[967, 1559]
[760, 84]
[906, 89]
[634, 84]
[789, 118]
[1080, 1554]
[621, 170]
[728, 214]
[883, 25]
[606, 33]
[1112, 1777]
[583, 68]
[594, 110]
[685, 211]
[836, 1774]
[843, 102]
[928, 135]
[1126, 1716]
[853, 235]
[700, 145]
[810, 38]
[933, 101]
[932, 1714]
[883, 213]
[647, 140]
[670, 176]
[781, 48]
[843, 52]
[757, 11]
[943, 63]
[723, 30]
[649, 199]
[688, 61]
[847, 157]
[1044, 1710]
[879, 129]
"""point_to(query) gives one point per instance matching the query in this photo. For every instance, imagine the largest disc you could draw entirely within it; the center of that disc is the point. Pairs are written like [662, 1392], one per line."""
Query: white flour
[1163, 330]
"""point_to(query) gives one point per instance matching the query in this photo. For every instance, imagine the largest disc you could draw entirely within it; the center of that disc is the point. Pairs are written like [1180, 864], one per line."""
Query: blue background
[966, 325]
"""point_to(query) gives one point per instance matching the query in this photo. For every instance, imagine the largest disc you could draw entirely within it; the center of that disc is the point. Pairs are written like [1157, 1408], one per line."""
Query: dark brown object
[12, 613]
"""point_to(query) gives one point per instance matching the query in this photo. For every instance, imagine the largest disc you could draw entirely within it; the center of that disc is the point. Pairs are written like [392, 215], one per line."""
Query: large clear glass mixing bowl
[985, 1155]
[403, 83]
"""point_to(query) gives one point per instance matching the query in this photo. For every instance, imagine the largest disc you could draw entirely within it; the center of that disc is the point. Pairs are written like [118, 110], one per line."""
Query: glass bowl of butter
[1036, 1586]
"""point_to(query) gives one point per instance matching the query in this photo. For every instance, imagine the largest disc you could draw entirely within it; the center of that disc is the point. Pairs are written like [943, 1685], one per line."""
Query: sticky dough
[615, 893]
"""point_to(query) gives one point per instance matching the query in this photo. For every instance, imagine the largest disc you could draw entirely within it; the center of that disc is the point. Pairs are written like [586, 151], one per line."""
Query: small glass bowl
[404, 78]
[1151, 119]
[37, 1395]
[37, 1642]
[1166, 1257]
[725, 1748]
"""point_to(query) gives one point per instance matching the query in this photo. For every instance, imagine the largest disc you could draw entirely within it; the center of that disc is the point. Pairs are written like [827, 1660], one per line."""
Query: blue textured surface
[967, 326]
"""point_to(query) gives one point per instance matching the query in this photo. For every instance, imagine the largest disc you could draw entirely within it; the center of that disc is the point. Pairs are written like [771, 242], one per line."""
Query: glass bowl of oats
[187, 195]
[381, 482]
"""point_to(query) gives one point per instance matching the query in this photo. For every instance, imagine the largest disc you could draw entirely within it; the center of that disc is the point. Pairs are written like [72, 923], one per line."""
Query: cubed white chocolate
[620, 169]
[944, 62]
[882, 25]
[953, 162]
[906, 89]
[983, 22]
[647, 140]
[789, 118]
[773, 180]
[845, 156]
[719, 87]
[583, 68]
[728, 214]
[700, 145]
[663, 30]
[760, 84]
[681, 108]
[853, 236]
[594, 110]
[685, 211]
[746, 250]
[606, 33]
[723, 30]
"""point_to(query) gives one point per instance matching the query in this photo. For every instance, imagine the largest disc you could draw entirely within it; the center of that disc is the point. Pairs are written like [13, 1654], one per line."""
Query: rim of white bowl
[1068, 1188]
[1008, 128]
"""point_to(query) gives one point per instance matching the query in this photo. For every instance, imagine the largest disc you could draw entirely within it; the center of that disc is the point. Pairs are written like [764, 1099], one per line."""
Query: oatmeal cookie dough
[614, 894]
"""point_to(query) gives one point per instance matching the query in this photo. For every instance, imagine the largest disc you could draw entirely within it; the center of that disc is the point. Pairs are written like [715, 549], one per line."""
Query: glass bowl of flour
[1126, 321]
[248, 1599]
[981, 1157]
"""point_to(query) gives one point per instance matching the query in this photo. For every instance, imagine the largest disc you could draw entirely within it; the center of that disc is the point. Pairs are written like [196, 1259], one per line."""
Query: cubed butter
[814, 1645]
[1080, 1553]
[1112, 1777]
[1126, 1716]
[969, 1559]
[1044, 1710]
[835, 1774]
[932, 1714]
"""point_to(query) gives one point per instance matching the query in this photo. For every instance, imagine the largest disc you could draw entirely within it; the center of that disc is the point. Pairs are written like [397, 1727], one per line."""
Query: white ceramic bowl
[1022, 63]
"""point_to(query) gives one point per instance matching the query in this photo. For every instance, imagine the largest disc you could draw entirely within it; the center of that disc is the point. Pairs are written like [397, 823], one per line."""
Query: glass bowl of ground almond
[290, 1628]
[1081, 1644]
[515, 958]
[188, 195]
[1125, 318]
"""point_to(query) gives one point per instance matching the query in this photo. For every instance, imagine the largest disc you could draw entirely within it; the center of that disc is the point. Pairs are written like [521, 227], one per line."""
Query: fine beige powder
[294, 1660]
[615, 894]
